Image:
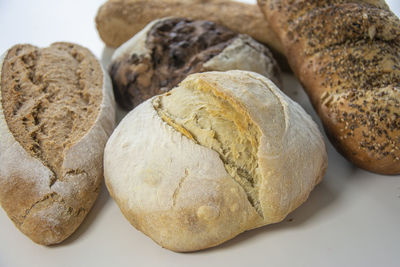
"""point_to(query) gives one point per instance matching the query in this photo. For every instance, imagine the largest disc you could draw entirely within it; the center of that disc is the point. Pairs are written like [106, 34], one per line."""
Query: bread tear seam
[247, 175]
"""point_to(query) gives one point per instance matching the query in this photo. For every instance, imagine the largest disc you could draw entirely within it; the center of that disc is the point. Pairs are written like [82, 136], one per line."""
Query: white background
[351, 219]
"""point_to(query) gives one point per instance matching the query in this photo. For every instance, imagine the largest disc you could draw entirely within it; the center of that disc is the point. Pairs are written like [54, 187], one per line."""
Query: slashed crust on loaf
[213, 121]
[56, 112]
[185, 186]
[50, 97]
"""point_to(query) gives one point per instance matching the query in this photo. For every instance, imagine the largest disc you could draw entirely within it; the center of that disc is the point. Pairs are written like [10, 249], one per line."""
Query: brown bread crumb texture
[51, 97]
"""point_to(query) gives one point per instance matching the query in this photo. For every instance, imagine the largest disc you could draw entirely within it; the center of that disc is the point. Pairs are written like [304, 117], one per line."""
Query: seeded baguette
[56, 113]
[118, 20]
[222, 153]
[347, 56]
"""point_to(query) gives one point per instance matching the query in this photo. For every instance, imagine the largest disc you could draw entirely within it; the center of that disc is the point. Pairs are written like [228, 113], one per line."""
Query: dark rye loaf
[167, 50]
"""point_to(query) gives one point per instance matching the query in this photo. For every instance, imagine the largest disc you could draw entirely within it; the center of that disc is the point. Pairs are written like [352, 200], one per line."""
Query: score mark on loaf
[222, 153]
[56, 113]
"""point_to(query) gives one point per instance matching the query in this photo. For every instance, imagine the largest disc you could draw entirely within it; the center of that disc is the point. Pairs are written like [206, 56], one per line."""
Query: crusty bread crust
[178, 191]
[48, 210]
[346, 54]
[137, 80]
[118, 20]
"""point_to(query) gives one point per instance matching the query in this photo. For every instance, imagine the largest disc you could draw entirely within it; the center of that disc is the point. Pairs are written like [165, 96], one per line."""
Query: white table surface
[351, 219]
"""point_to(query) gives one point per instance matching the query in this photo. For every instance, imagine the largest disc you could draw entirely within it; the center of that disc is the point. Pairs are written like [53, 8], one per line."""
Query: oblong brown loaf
[118, 20]
[56, 113]
[347, 55]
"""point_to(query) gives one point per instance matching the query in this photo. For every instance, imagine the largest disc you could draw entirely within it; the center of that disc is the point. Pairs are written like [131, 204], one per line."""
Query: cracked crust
[48, 205]
[167, 50]
[217, 121]
[178, 190]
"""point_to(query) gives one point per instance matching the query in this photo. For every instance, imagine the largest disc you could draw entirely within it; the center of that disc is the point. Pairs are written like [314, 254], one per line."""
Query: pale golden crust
[346, 54]
[179, 192]
[181, 196]
[117, 21]
[43, 206]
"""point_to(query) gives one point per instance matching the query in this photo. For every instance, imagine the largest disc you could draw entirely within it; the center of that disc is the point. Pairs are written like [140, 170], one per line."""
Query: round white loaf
[166, 171]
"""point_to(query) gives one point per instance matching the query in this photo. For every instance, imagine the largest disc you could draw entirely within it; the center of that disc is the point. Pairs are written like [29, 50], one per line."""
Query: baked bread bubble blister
[222, 153]
[56, 114]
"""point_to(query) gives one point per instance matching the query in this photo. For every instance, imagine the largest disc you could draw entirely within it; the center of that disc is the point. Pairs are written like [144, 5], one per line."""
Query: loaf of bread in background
[56, 114]
[346, 53]
[118, 20]
[222, 153]
[167, 50]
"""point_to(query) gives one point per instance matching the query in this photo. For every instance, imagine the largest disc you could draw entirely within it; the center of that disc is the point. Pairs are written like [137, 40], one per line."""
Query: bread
[118, 20]
[167, 50]
[222, 153]
[347, 55]
[56, 113]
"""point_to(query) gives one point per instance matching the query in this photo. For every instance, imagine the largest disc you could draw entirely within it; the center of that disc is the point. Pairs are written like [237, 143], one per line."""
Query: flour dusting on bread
[222, 153]
[56, 114]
